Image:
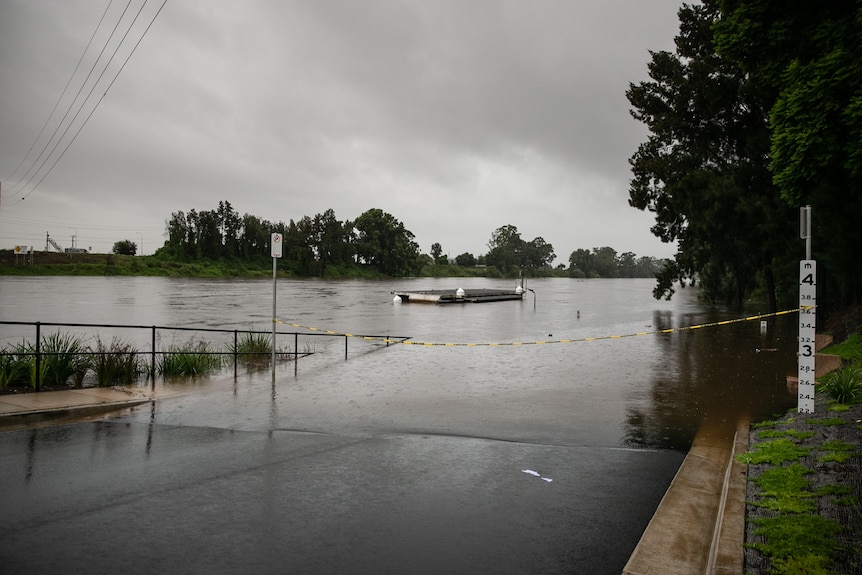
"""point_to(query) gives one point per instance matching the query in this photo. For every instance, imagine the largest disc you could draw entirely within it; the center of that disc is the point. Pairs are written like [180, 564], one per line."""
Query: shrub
[118, 363]
[253, 348]
[191, 359]
[64, 357]
[843, 385]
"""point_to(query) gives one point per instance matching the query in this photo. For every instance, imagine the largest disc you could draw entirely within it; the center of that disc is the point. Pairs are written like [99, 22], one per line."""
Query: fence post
[153, 360]
[235, 348]
[345, 347]
[38, 356]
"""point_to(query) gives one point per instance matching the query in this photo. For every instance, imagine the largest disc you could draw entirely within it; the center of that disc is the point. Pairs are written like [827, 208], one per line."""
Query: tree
[466, 260]
[703, 170]
[806, 59]
[125, 248]
[383, 242]
[437, 254]
[537, 254]
[505, 249]
[627, 265]
[582, 260]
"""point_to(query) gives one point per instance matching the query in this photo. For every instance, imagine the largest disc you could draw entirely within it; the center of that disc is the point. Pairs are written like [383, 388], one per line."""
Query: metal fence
[154, 330]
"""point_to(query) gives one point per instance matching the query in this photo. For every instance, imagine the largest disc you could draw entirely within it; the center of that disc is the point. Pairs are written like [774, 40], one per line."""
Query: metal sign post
[807, 318]
[275, 248]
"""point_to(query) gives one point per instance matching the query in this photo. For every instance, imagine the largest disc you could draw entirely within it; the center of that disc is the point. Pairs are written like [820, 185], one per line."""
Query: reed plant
[253, 348]
[15, 366]
[843, 385]
[18, 366]
[64, 357]
[189, 359]
[117, 363]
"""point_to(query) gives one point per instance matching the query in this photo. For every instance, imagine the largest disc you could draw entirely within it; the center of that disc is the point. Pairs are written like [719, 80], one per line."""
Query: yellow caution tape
[516, 343]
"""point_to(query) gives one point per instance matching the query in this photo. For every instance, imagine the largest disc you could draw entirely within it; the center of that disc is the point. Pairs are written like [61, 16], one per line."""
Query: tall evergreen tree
[703, 170]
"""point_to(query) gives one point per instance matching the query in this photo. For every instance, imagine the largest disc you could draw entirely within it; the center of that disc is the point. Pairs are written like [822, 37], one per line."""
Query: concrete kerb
[22, 411]
[699, 525]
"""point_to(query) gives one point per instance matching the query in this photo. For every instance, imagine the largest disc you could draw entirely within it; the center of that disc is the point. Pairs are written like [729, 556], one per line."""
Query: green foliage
[804, 60]
[755, 113]
[826, 422]
[16, 365]
[466, 260]
[797, 543]
[844, 385]
[64, 359]
[773, 452]
[849, 350]
[384, 243]
[189, 360]
[125, 248]
[837, 451]
[118, 363]
[253, 348]
[510, 254]
[775, 433]
[786, 489]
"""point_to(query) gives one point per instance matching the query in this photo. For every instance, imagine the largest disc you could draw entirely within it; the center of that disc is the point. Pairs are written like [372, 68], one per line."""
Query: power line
[19, 185]
[86, 120]
[63, 93]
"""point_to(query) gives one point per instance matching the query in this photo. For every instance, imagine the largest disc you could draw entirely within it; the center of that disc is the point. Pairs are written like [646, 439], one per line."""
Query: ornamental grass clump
[118, 363]
[64, 357]
[16, 366]
[189, 359]
[843, 385]
[253, 348]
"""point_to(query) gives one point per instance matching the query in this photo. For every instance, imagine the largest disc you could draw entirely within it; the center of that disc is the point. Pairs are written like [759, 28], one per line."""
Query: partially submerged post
[275, 249]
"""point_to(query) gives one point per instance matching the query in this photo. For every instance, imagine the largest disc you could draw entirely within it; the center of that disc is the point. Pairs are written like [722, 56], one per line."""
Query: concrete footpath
[697, 528]
[24, 410]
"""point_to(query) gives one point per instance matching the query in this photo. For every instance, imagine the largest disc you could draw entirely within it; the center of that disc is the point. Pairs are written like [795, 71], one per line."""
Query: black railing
[155, 351]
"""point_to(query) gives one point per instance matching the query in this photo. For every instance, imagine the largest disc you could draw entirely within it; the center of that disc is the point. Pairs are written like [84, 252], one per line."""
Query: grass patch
[826, 422]
[775, 433]
[189, 360]
[837, 451]
[786, 489]
[773, 452]
[797, 543]
[850, 349]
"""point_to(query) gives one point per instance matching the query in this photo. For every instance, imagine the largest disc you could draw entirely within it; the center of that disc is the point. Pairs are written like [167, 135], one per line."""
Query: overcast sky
[457, 117]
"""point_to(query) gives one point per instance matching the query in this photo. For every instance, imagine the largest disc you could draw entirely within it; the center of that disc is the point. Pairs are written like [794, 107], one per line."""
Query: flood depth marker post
[807, 317]
[275, 248]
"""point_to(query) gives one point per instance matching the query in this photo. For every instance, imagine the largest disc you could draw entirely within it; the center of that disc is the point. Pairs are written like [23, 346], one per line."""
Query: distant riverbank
[82, 264]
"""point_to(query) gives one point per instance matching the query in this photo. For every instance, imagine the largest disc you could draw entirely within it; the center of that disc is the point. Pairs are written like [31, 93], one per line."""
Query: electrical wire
[95, 107]
[63, 93]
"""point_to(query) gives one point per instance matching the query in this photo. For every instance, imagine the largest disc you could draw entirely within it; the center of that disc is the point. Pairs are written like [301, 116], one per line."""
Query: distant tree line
[326, 246]
[605, 263]
[313, 246]
[756, 113]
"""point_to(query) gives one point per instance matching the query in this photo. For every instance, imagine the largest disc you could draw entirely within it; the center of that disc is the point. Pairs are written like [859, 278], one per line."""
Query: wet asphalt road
[121, 496]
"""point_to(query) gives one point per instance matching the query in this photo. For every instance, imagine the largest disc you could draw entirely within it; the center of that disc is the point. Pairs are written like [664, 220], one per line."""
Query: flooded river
[651, 391]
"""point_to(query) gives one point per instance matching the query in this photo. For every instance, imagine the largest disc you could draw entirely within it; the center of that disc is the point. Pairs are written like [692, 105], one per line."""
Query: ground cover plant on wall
[803, 513]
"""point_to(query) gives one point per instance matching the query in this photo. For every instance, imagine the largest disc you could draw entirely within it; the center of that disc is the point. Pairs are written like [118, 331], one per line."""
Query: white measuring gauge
[807, 330]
